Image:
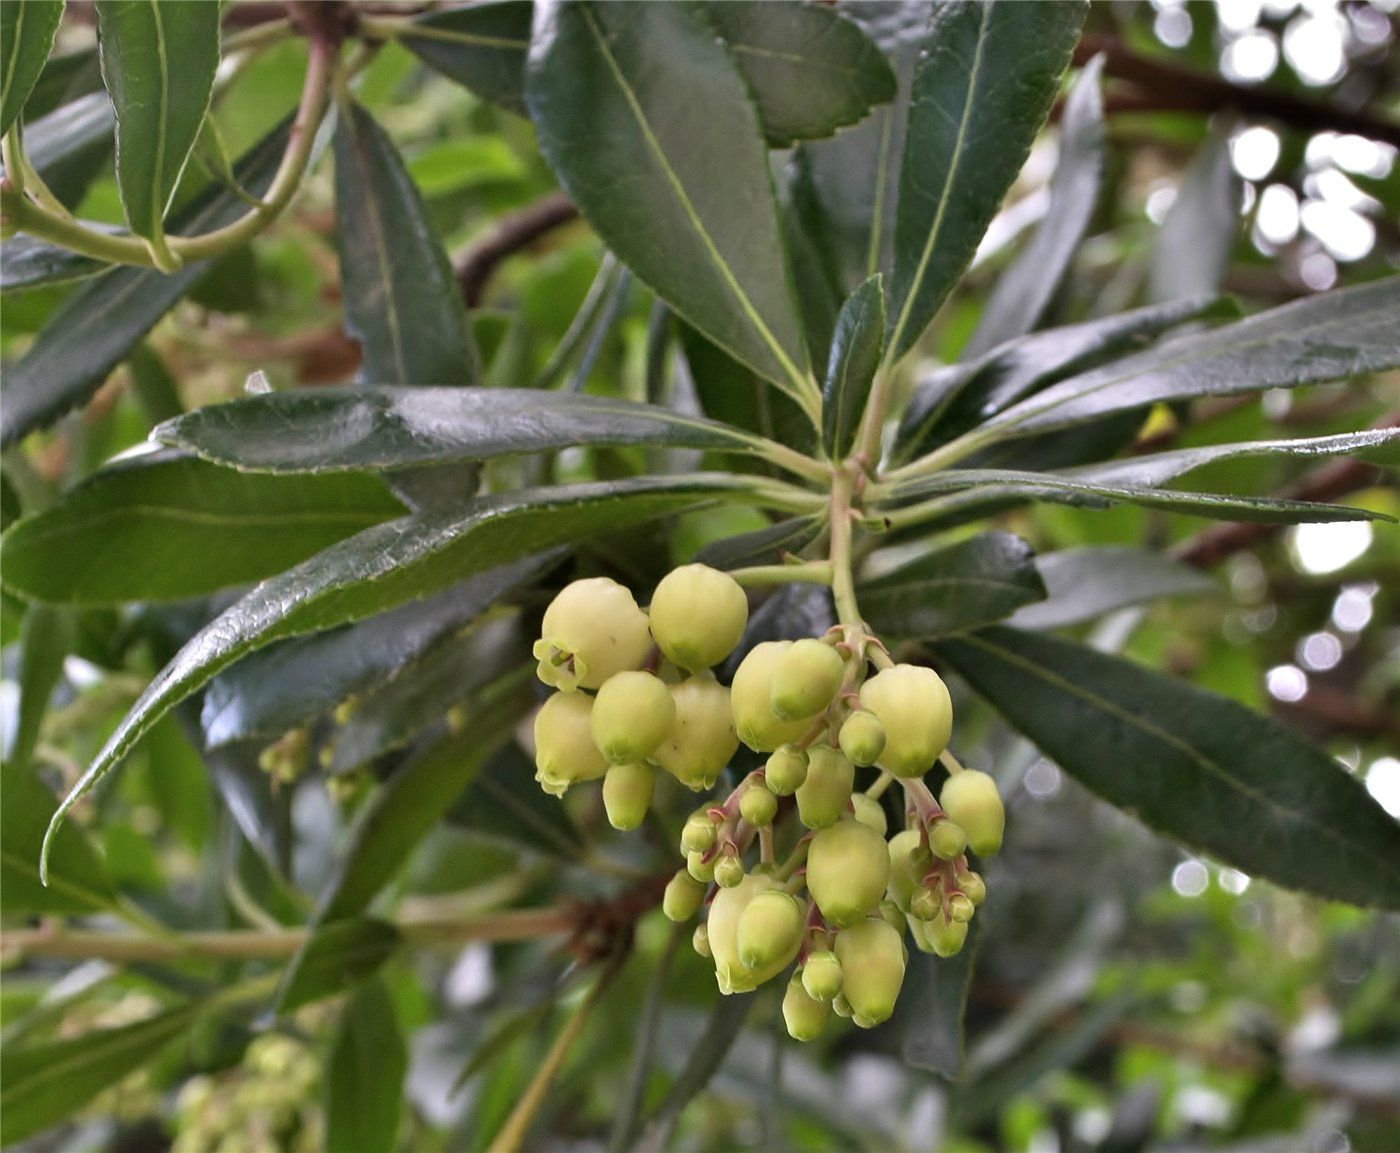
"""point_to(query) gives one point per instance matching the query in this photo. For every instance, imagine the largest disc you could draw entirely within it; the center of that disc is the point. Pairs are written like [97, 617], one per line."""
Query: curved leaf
[933, 1038]
[386, 566]
[27, 262]
[334, 957]
[810, 70]
[1192, 765]
[105, 318]
[402, 302]
[762, 546]
[167, 526]
[963, 586]
[158, 62]
[615, 94]
[381, 427]
[850, 371]
[365, 1075]
[981, 92]
[1084, 583]
[1328, 337]
[1024, 291]
[1192, 250]
[26, 38]
[480, 46]
[68, 145]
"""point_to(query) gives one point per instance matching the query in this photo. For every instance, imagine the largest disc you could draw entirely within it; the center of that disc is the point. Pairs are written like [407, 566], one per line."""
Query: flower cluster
[841, 898]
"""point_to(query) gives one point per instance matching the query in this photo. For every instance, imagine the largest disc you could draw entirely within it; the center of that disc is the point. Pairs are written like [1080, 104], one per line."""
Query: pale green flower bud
[700, 941]
[925, 905]
[972, 884]
[803, 1015]
[757, 805]
[872, 960]
[905, 875]
[805, 679]
[729, 871]
[848, 867]
[698, 615]
[627, 791]
[591, 630]
[821, 975]
[632, 714]
[940, 937]
[826, 791]
[893, 915]
[728, 906]
[683, 897]
[564, 750]
[786, 770]
[960, 908]
[913, 706]
[770, 927]
[947, 839]
[754, 720]
[698, 867]
[970, 798]
[869, 811]
[699, 832]
[862, 738]
[702, 738]
[840, 1006]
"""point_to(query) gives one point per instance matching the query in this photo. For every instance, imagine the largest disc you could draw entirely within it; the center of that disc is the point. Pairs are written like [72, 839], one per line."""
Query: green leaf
[158, 62]
[850, 371]
[480, 46]
[388, 565]
[337, 955]
[1192, 765]
[959, 397]
[810, 70]
[1025, 290]
[365, 1075]
[502, 802]
[983, 88]
[314, 430]
[26, 38]
[66, 77]
[68, 146]
[1085, 583]
[166, 526]
[46, 638]
[290, 683]
[44, 1085]
[1336, 335]
[933, 1035]
[402, 302]
[958, 587]
[27, 262]
[104, 319]
[762, 546]
[1192, 250]
[614, 94]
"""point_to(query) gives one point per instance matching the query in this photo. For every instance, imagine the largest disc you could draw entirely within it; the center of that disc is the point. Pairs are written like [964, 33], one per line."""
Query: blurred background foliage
[1127, 996]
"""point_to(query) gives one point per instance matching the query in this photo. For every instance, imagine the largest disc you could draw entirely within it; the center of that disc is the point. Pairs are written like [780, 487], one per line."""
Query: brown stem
[514, 231]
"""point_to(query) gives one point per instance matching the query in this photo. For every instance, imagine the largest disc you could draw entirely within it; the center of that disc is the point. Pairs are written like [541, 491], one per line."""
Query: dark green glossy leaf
[288, 684]
[1024, 291]
[933, 1034]
[961, 396]
[365, 1075]
[628, 1113]
[406, 806]
[402, 302]
[1192, 765]
[810, 70]
[982, 90]
[26, 38]
[480, 46]
[153, 385]
[850, 371]
[336, 955]
[69, 145]
[1084, 583]
[763, 546]
[1329, 337]
[166, 526]
[46, 639]
[101, 322]
[389, 565]
[450, 673]
[503, 802]
[26, 262]
[158, 62]
[962, 586]
[44, 1085]
[375, 428]
[614, 94]
[66, 77]
[1192, 250]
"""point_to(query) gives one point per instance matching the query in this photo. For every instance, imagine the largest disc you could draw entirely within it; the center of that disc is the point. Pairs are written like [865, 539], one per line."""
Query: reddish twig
[512, 232]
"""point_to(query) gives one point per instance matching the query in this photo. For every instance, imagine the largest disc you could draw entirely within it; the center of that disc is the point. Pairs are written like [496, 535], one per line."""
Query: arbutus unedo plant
[662, 504]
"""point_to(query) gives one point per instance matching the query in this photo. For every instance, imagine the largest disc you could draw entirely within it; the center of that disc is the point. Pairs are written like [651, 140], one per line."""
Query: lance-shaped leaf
[158, 62]
[335, 956]
[68, 146]
[365, 1075]
[26, 37]
[1197, 767]
[497, 805]
[105, 318]
[961, 396]
[685, 199]
[480, 46]
[287, 684]
[810, 70]
[27, 262]
[962, 586]
[1024, 291]
[381, 428]
[1084, 583]
[166, 526]
[1192, 251]
[388, 565]
[850, 371]
[933, 1035]
[401, 300]
[762, 546]
[1328, 337]
[982, 90]
[66, 77]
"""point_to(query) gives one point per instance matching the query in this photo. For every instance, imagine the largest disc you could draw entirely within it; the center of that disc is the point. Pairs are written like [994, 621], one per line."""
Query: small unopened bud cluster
[654, 704]
[841, 899]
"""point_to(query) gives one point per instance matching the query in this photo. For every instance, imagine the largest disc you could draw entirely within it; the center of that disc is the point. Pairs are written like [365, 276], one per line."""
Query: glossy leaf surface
[335, 956]
[480, 46]
[365, 1075]
[1084, 583]
[26, 37]
[850, 371]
